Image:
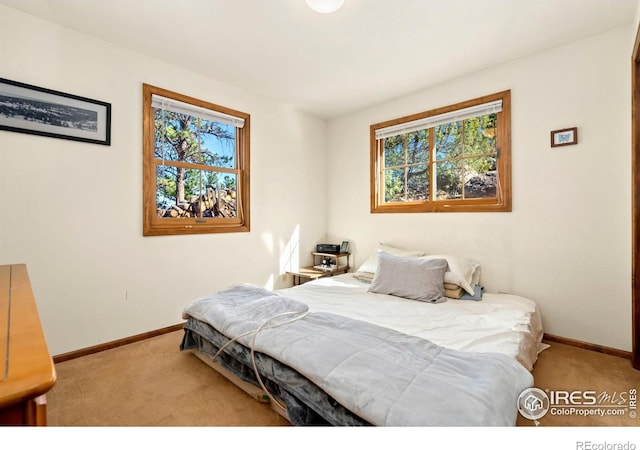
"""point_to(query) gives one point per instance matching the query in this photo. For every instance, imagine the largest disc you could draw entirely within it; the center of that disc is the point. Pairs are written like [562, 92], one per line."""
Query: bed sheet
[501, 323]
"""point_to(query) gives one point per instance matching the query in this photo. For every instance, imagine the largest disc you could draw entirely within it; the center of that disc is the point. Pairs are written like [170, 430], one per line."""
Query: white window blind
[440, 119]
[176, 106]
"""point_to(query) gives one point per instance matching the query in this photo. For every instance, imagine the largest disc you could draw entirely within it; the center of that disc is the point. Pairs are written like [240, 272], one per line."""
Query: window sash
[153, 225]
[501, 203]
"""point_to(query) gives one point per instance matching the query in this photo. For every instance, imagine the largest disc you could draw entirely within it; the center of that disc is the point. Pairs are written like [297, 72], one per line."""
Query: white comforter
[502, 323]
[386, 377]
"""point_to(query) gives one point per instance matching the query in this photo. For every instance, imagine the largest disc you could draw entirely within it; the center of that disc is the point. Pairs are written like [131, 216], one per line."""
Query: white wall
[567, 243]
[73, 211]
[636, 20]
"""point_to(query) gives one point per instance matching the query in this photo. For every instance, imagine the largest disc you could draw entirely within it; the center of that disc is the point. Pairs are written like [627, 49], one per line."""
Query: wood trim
[587, 346]
[155, 226]
[635, 203]
[117, 343]
[180, 326]
[196, 166]
[500, 204]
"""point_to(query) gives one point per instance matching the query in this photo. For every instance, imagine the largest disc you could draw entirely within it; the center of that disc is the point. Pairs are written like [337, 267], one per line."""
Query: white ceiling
[328, 65]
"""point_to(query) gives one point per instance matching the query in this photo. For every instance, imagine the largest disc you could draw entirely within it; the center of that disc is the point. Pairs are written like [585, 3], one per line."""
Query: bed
[342, 351]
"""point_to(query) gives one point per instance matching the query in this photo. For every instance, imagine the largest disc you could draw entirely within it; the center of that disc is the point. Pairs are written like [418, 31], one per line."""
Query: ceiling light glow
[324, 6]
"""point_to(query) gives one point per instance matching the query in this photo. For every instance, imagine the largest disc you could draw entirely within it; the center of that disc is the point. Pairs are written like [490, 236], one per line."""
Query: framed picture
[35, 110]
[567, 136]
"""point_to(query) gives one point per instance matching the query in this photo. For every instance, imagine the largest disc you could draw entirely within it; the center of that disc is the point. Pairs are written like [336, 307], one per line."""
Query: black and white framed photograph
[35, 110]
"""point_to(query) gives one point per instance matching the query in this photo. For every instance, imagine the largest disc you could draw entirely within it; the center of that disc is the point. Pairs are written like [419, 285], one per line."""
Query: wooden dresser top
[26, 367]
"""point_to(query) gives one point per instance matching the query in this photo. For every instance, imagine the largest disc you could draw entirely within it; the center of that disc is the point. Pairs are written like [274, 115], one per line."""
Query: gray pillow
[412, 278]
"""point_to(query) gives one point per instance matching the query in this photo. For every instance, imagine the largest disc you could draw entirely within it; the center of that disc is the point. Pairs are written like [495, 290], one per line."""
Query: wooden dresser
[26, 367]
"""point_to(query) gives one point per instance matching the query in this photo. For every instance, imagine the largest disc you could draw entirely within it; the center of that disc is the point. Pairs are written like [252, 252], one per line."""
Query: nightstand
[338, 263]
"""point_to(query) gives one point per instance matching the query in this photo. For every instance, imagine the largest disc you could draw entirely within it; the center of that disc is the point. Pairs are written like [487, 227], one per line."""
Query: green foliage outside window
[463, 156]
[187, 139]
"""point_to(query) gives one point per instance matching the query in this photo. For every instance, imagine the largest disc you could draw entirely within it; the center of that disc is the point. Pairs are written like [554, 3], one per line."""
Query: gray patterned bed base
[306, 403]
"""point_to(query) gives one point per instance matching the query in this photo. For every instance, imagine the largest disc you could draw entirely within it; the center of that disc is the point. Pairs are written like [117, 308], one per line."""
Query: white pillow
[463, 272]
[371, 264]
[364, 276]
[412, 278]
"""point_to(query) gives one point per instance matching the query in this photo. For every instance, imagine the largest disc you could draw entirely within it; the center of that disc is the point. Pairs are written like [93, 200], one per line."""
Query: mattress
[502, 323]
[330, 368]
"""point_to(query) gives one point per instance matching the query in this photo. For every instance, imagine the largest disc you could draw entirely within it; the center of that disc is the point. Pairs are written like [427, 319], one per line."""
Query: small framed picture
[35, 110]
[566, 136]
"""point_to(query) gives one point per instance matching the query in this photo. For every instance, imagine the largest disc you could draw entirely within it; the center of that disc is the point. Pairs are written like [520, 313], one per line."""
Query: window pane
[448, 140]
[179, 137]
[163, 147]
[480, 178]
[394, 151]
[187, 193]
[176, 136]
[226, 194]
[418, 147]
[394, 185]
[480, 135]
[418, 183]
[176, 187]
[165, 188]
[218, 141]
[448, 180]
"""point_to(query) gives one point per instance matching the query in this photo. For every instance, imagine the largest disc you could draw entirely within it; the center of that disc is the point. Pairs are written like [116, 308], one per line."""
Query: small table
[317, 271]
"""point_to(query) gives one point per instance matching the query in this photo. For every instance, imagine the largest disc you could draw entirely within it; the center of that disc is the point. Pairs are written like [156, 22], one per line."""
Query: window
[196, 165]
[456, 158]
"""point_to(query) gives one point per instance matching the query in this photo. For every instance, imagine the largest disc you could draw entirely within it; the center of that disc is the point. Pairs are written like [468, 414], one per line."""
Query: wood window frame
[154, 225]
[501, 203]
